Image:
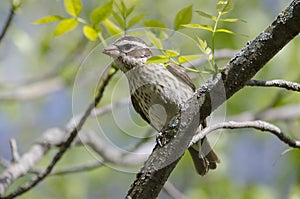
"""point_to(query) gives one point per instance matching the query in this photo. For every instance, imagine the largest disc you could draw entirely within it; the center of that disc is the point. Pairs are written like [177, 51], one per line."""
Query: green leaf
[204, 14]
[90, 33]
[154, 40]
[129, 11]
[154, 23]
[225, 31]
[135, 20]
[204, 48]
[231, 20]
[192, 70]
[184, 16]
[101, 13]
[123, 8]
[172, 53]
[112, 28]
[120, 9]
[119, 19]
[188, 58]
[202, 43]
[73, 7]
[157, 59]
[224, 6]
[48, 19]
[65, 25]
[199, 26]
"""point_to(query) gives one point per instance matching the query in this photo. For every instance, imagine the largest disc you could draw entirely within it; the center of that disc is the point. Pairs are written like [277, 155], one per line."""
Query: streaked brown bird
[157, 91]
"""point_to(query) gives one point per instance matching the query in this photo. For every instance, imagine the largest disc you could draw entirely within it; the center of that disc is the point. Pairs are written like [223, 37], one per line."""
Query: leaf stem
[215, 68]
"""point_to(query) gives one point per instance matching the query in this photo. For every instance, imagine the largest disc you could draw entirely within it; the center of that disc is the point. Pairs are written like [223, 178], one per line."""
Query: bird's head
[128, 52]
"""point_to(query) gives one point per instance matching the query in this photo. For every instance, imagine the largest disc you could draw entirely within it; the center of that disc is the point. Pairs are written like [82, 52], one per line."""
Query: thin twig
[14, 150]
[8, 22]
[172, 191]
[278, 113]
[4, 163]
[219, 54]
[55, 137]
[32, 91]
[108, 108]
[276, 83]
[64, 146]
[77, 169]
[258, 124]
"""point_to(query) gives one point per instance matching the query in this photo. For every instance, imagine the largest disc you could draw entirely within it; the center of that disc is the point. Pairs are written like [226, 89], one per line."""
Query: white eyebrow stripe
[123, 42]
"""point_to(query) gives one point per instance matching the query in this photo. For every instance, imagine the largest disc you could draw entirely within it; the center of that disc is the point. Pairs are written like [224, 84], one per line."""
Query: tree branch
[32, 91]
[172, 191]
[293, 86]
[258, 124]
[238, 72]
[5, 178]
[55, 137]
[8, 21]
[278, 113]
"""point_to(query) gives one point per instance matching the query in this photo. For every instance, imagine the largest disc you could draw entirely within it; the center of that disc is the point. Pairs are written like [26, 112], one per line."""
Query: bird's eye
[126, 47]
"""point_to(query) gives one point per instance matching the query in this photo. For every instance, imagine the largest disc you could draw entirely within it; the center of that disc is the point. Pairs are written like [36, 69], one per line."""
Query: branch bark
[150, 180]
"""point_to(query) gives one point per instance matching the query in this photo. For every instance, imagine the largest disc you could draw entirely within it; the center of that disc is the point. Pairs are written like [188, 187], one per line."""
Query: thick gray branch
[239, 71]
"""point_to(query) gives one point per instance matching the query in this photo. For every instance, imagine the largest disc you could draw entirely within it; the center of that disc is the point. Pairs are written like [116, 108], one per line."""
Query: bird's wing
[138, 109]
[181, 75]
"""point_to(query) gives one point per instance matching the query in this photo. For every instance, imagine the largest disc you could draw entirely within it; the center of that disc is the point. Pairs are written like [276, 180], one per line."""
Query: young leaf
[202, 43]
[154, 40]
[225, 31]
[90, 33]
[184, 16]
[73, 7]
[119, 19]
[192, 70]
[112, 28]
[154, 23]
[129, 11]
[224, 6]
[101, 13]
[48, 19]
[188, 58]
[204, 14]
[172, 53]
[231, 20]
[135, 20]
[124, 8]
[199, 26]
[121, 8]
[65, 25]
[157, 59]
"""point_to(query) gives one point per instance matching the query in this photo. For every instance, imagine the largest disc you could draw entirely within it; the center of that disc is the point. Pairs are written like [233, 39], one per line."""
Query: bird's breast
[158, 93]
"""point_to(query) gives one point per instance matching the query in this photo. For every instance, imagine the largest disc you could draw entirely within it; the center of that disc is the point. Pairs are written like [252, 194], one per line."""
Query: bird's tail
[203, 156]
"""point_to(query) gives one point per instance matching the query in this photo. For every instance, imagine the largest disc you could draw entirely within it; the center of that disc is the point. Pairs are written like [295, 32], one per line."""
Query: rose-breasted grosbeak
[157, 91]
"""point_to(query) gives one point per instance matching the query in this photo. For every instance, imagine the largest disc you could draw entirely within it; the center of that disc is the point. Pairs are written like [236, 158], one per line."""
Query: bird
[157, 91]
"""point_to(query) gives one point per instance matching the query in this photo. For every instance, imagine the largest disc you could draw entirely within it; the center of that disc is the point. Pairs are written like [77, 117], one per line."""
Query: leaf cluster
[169, 55]
[123, 19]
[99, 18]
[222, 7]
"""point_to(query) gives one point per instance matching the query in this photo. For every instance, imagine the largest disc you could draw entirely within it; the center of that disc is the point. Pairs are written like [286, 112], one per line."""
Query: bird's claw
[160, 139]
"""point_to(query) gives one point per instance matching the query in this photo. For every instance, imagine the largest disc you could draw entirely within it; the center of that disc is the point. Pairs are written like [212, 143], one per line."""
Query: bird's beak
[111, 51]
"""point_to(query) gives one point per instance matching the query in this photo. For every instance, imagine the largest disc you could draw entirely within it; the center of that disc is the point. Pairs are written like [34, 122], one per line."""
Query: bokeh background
[253, 164]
